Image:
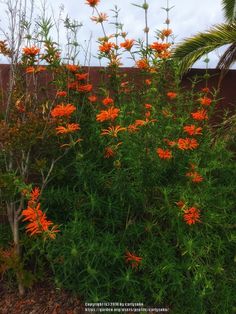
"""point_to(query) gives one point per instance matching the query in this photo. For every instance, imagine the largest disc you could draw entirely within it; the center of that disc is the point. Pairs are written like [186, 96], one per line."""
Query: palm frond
[194, 48]
[227, 59]
[229, 7]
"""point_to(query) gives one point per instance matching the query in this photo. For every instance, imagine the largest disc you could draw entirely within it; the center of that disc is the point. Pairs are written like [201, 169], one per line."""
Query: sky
[187, 17]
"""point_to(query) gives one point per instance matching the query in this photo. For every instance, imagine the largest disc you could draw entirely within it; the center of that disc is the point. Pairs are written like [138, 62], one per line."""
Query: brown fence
[227, 93]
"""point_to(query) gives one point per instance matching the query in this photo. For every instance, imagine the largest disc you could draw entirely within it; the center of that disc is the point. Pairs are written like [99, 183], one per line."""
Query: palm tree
[195, 47]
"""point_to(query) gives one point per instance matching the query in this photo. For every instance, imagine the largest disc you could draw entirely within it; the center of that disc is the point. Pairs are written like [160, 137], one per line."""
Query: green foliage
[128, 203]
[143, 196]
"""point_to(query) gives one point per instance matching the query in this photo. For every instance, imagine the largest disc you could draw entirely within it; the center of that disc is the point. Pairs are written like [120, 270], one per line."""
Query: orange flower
[187, 143]
[71, 127]
[192, 130]
[133, 259]
[180, 204]
[81, 76]
[142, 64]
[92, 98]
[31, 51]
[164, 154]
[128, 44]
[61, 94]
[167, 32]
[191, 215]
[140, 122]
[63, 110]
[109, 114]
[200, 115]
[132, 128]
[108, 101]
[35, 69]
[148, 82]
[147, 114]
[113, 130]
[109, 152]
[106, 47]
[205, 90]
[169, 143]
[84, 88]
[148, 106]
[159, 47]
[92, 3]
[102, 17]
[35, 193]
[30, 70]
[195, 176]
[72, 68]
[38, 222]
[164, 54]
[205, 101]
[171, 95]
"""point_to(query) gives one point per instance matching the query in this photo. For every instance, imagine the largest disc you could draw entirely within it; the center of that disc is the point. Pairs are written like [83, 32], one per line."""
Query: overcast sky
[187, 18]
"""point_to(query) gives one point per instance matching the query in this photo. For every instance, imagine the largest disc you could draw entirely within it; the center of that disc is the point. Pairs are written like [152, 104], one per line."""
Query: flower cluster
[38, 222]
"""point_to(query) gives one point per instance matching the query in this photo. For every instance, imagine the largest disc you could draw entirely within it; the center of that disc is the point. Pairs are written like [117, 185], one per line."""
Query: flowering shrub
[144, 197]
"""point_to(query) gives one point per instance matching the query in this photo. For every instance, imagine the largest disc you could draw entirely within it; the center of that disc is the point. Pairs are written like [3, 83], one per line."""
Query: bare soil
[42, 298]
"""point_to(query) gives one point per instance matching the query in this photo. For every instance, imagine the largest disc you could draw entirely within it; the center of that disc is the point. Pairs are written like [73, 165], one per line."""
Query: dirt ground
[41, 299]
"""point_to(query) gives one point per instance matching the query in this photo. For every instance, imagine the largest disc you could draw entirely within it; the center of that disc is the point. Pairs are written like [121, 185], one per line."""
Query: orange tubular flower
[81, 76]
[140, 122]
[142, 64]
[205, 90]
[109, 152]
[61, 94]
[34, 196]
[133, 259]
[106, 47]
[92, 98]
[195, 176]
[193, 130]
[92, 3]
[70, 128]
[200, 115]
[171, 95]
[113, 130]
[169, 143]
[148, 82]
[35, 69]
[180, 204]
[191, 215]
[72, 68]
[128, 44]
[164, 154]
[187, 143]
[148, 106]
[63, 110]
[109, 114]
[159, 47]
[205, 101]
[108, 101]
[167, 32]
[102, 17]
[38, 222]
[31, 51]
[132, 128]
[84, 88]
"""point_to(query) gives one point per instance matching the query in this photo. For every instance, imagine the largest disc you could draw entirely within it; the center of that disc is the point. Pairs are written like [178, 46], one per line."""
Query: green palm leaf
[229, 7]
[195, 47]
